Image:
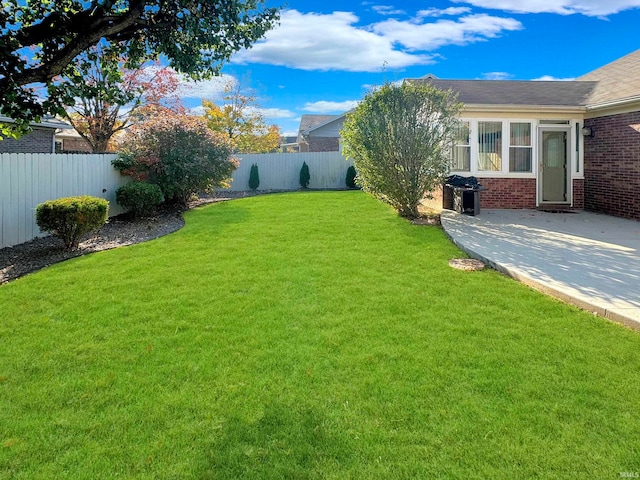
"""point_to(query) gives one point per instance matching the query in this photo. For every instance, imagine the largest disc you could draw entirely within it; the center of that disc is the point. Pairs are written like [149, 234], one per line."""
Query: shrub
[304, 175]
[400, 137]
[254, 177]
[71, 218]
[140, 198]
[350, 179]
[179, 153]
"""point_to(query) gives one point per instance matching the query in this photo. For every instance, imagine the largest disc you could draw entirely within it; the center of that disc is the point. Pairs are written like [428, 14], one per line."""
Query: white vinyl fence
[281, 171]
[27, 179]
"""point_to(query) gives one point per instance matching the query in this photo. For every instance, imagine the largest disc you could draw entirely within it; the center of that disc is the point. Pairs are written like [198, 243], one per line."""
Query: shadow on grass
[286, 442]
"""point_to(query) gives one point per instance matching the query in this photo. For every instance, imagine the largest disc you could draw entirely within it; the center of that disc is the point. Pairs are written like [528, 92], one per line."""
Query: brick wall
[612, 165]
[38, 141]
[324, 144]
[504, 193]
[578, 193]
[508, 193]
[75, 145]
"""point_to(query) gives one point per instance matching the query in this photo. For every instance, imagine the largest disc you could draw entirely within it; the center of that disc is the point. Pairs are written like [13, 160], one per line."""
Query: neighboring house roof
[309, 122]
[69, 133]
[618, 80]
[46, 122]
[516, 92]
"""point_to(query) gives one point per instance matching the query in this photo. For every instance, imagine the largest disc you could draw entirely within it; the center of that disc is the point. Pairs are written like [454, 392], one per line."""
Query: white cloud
[212, 88]
[592, 8]
[430, 36]
[276, 113]
[388, 10]
[324, 106]
[496, 76]
[437, 12]
[550, 78]
[311, 41]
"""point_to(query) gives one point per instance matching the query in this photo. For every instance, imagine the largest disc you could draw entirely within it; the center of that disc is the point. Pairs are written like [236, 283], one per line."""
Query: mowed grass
[306, 335]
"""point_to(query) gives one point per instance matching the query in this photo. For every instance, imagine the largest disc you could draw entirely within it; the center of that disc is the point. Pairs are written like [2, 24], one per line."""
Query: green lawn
[306, 335]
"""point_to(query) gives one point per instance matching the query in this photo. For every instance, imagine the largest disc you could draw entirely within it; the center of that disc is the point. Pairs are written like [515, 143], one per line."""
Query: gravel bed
[119, 231]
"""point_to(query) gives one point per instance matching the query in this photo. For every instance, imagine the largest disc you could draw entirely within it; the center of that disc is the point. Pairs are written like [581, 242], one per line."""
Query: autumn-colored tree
[108, 95]
[239, 118]
[179, 153]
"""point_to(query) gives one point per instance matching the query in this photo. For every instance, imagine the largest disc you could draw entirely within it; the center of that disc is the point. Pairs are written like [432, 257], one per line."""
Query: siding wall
[281, 171]
[29, 179]
[612, 165]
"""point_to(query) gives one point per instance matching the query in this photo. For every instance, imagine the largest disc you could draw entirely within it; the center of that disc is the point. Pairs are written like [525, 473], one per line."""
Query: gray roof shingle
[617, 80]
[517, 92]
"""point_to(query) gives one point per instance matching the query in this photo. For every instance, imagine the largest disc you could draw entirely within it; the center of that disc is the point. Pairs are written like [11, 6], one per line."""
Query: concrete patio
[587, 259]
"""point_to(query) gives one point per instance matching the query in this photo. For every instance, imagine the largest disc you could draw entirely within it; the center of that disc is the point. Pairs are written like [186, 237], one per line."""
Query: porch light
[587, 132]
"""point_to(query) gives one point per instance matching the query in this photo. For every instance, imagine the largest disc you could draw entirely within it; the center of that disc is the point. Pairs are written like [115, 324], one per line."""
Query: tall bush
[399, 138]
[305, 177]
[71, 218]
[254, 177]
[179, 153]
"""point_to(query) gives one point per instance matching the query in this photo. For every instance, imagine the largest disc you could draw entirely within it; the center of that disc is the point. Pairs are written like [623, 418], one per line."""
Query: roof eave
[58, 124]
[483, 107]
[614, 103]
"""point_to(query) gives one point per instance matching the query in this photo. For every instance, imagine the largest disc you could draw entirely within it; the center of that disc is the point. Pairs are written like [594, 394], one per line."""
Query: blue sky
[325, 56]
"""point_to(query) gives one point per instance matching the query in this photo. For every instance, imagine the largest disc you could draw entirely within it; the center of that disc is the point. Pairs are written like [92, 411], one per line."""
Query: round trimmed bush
[140, 198]
[71, 218]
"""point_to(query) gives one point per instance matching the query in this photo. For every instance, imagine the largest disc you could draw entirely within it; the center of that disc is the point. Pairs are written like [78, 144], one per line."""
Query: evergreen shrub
[71, 218]
[254, 177]
[350, 179]
[304, 175]
[140, 198]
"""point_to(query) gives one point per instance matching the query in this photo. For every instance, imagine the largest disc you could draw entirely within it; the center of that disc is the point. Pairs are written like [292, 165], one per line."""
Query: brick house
[320, 133]
[552, 144]
[70, 141]
[40, 140]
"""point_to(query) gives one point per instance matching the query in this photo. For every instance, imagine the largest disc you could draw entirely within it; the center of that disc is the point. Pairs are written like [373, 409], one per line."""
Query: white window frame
[532, 138]
[576, 157]
[468, 145]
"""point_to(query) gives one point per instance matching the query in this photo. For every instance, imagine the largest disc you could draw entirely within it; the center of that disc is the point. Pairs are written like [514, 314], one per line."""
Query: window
[490, 146]
[461, 149]
[520, 147]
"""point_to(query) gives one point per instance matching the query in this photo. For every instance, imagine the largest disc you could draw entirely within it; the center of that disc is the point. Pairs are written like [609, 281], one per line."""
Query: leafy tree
[40, 38]
[399, 137]
[102, 87]
[305, 177]
[239, 118]
[179, 153]
[254, 177]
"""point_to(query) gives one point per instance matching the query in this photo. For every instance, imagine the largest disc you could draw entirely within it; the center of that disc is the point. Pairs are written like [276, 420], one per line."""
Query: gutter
[614, 103]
